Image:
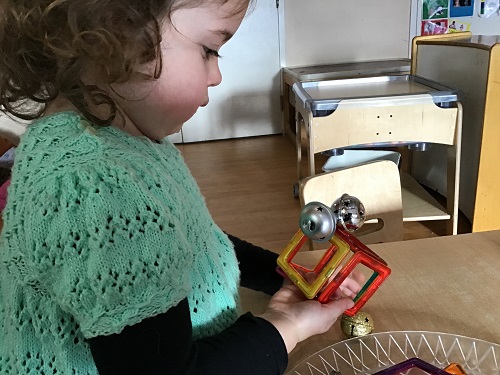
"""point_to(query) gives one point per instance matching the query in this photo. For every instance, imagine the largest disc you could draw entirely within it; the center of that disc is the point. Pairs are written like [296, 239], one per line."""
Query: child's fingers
[358, 276]
[339, 305]
[349, 290]
[350, 287]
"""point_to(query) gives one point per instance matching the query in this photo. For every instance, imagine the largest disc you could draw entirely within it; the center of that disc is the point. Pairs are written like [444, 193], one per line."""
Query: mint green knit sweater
[102, 230]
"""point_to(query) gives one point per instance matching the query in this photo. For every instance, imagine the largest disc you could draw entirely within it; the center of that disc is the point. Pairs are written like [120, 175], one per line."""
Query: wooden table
[289, 76]
[445, 284]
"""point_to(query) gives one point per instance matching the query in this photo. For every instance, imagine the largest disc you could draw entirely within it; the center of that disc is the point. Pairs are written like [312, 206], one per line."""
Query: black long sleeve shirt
[164, 345]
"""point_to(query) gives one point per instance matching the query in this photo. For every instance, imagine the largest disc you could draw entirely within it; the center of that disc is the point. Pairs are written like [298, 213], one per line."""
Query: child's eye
[210, 52]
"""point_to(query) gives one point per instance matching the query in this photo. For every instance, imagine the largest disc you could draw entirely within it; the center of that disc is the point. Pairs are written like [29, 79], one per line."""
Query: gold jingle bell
[360, 324]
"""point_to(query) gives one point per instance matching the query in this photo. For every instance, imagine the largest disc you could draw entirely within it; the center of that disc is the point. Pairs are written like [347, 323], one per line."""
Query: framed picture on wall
[434, 9]
[461, 8]
[455, 26]
[432, 27]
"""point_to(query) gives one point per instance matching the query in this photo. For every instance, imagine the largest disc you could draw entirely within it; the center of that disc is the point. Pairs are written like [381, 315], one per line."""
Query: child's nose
[214, 75]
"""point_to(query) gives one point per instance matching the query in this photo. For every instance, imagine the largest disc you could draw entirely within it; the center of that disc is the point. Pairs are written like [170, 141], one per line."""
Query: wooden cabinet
[472, 65]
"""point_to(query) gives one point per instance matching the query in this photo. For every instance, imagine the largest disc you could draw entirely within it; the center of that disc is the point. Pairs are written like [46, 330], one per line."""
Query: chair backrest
[376, 184]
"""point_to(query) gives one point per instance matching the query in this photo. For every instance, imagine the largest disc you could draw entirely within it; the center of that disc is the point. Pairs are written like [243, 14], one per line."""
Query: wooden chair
[376, 184]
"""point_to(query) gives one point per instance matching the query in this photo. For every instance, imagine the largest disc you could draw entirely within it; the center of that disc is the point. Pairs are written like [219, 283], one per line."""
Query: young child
[110, 262]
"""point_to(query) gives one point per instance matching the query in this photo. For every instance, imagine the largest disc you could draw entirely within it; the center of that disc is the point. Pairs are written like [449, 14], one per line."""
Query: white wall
[485, 26]
[336, 31]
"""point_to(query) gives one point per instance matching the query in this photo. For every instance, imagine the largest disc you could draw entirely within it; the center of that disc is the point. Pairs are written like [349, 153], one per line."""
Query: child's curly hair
[49, 46]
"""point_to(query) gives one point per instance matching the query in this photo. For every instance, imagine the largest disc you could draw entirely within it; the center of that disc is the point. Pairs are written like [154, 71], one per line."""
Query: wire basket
[372, 353]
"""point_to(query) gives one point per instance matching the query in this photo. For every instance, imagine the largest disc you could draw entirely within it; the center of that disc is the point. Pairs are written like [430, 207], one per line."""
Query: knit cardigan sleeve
[102, 249]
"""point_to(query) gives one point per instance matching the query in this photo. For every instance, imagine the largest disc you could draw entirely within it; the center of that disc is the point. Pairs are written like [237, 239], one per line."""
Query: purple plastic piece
[402, 367]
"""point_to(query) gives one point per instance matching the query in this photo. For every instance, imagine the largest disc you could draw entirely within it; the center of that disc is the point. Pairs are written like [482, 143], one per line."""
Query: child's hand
[351, 286]
[298, 318]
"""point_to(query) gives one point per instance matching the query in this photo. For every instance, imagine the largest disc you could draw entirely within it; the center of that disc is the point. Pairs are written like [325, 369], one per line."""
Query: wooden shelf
[418, 204]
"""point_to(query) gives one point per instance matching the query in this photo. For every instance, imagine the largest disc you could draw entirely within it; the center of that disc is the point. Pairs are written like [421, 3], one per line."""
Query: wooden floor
[248, 186]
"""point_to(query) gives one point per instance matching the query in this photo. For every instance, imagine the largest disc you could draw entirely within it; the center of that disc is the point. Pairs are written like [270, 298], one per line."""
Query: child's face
[188, 70]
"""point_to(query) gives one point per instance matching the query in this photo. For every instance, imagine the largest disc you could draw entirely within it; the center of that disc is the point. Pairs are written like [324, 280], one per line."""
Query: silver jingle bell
[350, 212]
[317, 221]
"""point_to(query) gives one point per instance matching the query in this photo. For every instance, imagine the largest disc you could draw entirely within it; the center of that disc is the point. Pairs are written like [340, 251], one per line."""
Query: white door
[247, 102]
